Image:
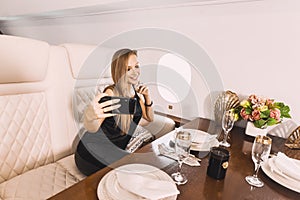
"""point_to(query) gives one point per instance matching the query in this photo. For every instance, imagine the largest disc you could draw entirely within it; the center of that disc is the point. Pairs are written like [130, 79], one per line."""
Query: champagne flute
[227, 124]
[260, 153]
[183, 142]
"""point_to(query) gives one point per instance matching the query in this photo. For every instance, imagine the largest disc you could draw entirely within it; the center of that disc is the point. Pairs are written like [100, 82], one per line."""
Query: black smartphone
[127, 104]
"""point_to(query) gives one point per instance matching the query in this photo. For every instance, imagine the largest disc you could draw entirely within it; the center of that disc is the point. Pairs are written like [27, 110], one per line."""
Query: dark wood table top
[199, 185]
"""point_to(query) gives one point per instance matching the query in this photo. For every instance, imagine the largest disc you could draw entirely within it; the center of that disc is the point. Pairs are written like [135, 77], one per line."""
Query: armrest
[160, 125]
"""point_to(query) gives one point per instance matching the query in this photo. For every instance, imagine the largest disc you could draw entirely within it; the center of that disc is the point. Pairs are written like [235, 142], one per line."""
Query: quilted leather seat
[42, 182]
[37, 127]
[43, 92]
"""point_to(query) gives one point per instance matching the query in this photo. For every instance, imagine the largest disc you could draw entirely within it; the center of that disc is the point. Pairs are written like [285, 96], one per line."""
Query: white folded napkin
[145, 186]
[287, 166]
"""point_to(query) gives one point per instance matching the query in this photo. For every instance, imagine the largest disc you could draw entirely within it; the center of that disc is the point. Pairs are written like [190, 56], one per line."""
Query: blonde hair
[119, 67]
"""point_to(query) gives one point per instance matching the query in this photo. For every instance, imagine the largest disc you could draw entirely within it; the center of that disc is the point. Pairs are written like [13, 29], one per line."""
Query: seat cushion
[160, 125]
[42, 182]
[68, 163]
[139, 137]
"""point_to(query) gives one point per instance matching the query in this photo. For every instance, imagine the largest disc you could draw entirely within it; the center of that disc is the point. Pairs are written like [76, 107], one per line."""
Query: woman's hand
[147, 104]
[144, 90]
[101, 110]
[104, 109]
[95, 112]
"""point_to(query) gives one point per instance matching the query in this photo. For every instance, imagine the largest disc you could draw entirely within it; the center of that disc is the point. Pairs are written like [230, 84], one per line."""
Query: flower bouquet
[262, 112]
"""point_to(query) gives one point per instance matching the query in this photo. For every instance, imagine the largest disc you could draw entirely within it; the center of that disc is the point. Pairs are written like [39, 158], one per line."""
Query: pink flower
[244, 115]
[255, 115]
[269, 102]
[253, 99]
[275, 113]
[256, 101]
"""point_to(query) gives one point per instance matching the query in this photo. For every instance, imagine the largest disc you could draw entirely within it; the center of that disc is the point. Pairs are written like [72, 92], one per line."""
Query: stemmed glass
[183, 142]
[227, 124]
[260, 153]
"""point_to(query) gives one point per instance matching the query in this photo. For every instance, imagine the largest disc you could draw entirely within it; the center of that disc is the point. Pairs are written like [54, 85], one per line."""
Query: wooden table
[199, 185]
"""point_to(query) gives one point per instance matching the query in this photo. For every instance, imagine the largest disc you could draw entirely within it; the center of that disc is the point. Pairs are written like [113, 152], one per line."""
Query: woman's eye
[136, 67]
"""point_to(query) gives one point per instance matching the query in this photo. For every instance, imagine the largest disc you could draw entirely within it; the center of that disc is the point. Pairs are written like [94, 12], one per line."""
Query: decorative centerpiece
[226, 100]
[293, 141]
[261, 114]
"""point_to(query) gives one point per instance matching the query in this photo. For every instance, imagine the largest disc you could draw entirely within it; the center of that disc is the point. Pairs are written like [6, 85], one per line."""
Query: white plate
[109, 188]
[201, 141]
[282, 179]
[101, 191]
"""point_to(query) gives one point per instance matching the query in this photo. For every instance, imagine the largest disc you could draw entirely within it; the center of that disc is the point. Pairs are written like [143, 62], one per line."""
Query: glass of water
[183, 142]
[260, 153]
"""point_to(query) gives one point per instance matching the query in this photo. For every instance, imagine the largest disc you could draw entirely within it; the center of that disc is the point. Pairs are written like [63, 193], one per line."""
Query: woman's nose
[135, 71]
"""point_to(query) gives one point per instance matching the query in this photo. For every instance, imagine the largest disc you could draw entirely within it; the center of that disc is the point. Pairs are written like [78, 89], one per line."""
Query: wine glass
[227, 124]
[260, 153]
[183, 142]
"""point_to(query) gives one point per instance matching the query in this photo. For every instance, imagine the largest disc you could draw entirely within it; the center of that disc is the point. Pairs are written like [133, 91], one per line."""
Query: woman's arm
[146, 104]
[95, 113]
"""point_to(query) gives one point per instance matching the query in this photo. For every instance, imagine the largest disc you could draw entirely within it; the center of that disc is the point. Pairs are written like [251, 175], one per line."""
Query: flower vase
[254, 131]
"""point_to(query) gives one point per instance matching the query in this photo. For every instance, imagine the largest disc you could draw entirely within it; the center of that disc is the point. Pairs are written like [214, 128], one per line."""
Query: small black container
[218, 162]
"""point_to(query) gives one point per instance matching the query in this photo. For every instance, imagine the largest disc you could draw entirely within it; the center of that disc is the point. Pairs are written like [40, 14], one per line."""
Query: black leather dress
[97, 150]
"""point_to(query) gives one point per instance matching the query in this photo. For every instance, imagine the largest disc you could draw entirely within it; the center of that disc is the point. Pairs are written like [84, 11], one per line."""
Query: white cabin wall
[17, 7]
[255, 45]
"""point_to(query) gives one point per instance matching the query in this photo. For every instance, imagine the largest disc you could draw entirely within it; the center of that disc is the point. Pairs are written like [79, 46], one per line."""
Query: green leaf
[271, 121]
[285, 111]
[278, 105]
[286, 115]
[259, 123]
[248, 111]
[265, 114]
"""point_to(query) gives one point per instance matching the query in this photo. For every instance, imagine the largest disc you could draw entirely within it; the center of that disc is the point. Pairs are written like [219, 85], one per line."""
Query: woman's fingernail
[115, 100]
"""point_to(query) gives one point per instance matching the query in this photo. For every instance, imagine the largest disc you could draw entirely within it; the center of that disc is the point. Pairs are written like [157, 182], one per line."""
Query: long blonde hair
[119, 68]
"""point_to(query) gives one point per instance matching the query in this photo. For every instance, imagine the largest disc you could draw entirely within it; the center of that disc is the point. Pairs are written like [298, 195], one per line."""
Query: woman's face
[133, 70]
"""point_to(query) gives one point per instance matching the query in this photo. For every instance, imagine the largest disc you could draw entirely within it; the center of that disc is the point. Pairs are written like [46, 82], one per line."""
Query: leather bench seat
[43, 94]
[42, 182]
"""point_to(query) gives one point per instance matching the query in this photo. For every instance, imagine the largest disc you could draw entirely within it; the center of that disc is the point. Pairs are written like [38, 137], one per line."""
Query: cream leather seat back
[35, 105]
[91, 73]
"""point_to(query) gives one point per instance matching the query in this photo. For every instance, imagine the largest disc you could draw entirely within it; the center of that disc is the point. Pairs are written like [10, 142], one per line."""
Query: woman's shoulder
[109, 90]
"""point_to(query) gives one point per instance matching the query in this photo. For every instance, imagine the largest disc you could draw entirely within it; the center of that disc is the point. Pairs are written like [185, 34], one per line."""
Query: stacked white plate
[201, 141]
[110, 189]
[272, 170]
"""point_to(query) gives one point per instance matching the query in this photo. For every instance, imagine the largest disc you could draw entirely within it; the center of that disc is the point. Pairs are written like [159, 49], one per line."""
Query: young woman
[109, 133]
